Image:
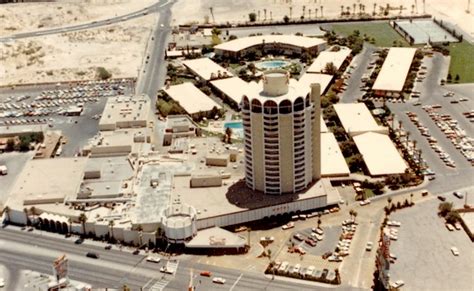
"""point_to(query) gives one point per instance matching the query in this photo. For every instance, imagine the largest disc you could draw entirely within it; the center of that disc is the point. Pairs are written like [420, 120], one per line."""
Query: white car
[2, 282]
[153, 259]
[369, 245]
[218, 280]
[398, 284]
[165, 270]
[267, 239]
[455, 251]
[288, 225]
[364, 202]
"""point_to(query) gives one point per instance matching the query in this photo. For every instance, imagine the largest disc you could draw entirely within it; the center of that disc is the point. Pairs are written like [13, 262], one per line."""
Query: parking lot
[424, 259]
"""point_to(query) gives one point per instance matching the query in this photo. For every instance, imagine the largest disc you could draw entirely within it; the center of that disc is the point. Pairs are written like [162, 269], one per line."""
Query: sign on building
[60, 267]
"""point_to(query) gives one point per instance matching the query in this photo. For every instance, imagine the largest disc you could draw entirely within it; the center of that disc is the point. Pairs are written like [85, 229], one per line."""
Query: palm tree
[322, 7]
[424, 7]
[400, 123]
[304, 10]
[411, 198]
[33, 210]
[265, 14]
[342, 9]
[291, 11]
[401, 8]
[319, 221]
[416, 6]
[309, 13]
[70, 224]
[348, 8]
[375, 6]
[351, 213]
[228, 135]
[111, 225]
[412, 8]
[407, 139]
[389, 200]
[354, 9]
[140, 229]
[7, 210]
[82, 220]
[354, 213]
[28, 222]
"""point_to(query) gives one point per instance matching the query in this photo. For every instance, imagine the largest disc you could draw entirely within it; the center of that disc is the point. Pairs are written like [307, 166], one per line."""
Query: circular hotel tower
[282, 129]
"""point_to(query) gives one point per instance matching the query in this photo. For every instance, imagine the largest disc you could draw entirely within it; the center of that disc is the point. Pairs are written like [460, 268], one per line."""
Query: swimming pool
[233, 125]
[237, 128]
[275, 64]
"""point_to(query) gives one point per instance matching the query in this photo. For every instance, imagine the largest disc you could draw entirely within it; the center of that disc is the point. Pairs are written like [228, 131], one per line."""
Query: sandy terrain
[187, 11]
[76, 55]
[25, 17]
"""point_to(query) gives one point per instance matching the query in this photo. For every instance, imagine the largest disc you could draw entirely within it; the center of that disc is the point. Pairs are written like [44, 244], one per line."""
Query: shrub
[103, 74]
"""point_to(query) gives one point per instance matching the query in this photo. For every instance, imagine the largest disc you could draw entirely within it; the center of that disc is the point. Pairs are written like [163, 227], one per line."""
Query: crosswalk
[159, 285]
[172, 265]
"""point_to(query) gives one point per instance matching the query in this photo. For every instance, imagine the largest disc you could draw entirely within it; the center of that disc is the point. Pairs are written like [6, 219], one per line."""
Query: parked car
[442, 198]
[298, 236]
[267, 239]
[458, 194]
[455, 251]
[326, 255]
[108, 247]
[398, 284]
[288, 225]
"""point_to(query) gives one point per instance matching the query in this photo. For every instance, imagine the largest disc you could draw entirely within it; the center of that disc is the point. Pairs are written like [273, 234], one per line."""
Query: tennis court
[423, 31]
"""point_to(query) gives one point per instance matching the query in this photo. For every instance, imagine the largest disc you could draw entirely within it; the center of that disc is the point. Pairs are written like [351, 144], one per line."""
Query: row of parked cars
[58, 101]
[443, 155]
[452, 131]
[310, 272]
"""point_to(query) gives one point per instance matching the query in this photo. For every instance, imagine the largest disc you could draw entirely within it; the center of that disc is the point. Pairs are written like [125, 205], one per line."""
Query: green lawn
[369, 193]
[383, 33]
[462, 54]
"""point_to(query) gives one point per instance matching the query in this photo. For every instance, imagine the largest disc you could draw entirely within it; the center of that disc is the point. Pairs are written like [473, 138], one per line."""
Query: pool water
[233, 125]
[237, 128]
[276, 64]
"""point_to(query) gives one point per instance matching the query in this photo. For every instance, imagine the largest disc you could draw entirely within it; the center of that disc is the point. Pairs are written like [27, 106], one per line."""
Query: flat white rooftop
[47, 181]
[206, 68]
[121, 110]
[234, 87]
[246, 42]
[356, 119]
[191, 98]
[337, 58]
[323, 79]
[395, 69]
[332, 160]
[380, 154]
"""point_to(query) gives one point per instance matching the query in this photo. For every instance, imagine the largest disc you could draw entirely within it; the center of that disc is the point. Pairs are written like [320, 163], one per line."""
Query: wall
[260, 213]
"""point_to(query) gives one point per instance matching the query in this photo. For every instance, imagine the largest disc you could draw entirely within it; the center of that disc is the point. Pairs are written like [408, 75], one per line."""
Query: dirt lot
[25, 17]
[76, 55]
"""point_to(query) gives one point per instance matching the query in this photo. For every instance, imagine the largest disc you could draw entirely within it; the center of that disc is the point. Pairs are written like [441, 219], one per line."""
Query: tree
[228, 135]
[330, 69]
[7, 211]
[449, 78]
[319, 222]
[456, 79]
[232, 37]
[216, 31]
[140, 229]
[82, 220]
[452, 217]
[354, 214]
[351, 213]
[10, 145]
[389, 201]
[103, 74]
[28, 222]
[444, 208]
[356, 163]
[69, 220]
[286, 19]
[252, 17]
[111, 225]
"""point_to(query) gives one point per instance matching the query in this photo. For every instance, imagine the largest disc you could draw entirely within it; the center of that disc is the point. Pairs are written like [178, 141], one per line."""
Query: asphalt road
[151, 9]
[36, 251]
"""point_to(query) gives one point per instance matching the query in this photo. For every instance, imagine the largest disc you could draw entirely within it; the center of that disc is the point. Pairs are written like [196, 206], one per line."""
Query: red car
[310, 242]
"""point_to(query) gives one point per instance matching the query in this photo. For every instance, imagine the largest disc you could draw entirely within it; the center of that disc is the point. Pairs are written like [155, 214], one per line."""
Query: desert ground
[25, 17]
[75, 55]
[189, 11]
